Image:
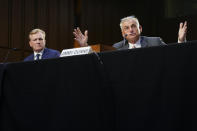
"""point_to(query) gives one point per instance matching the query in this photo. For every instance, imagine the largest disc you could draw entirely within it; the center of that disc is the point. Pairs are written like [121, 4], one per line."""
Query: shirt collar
[137, 44]
[41, 53]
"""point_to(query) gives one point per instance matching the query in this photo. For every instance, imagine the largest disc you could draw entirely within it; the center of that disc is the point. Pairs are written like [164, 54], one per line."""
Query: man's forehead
[37, 35]
[130, 22]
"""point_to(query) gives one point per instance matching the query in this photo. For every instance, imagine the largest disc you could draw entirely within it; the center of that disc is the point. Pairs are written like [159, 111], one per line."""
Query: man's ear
[140, 29]
[122, 34]
[30, 44]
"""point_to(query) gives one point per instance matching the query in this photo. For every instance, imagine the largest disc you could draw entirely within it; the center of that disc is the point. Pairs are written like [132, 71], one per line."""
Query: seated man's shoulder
[28, 58]
[118, 44]
[51, 53]
[150, 38]
[153, 41]
[51, 50]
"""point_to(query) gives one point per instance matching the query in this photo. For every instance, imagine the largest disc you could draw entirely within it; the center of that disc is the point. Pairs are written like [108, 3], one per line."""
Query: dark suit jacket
[47, 53]
[145, 42]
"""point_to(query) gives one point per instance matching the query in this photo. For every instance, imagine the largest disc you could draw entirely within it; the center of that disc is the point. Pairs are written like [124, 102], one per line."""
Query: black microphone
[7, 55]
[124, 41]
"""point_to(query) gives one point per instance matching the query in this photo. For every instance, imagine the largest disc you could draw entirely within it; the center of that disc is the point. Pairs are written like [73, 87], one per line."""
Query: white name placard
[76, 51]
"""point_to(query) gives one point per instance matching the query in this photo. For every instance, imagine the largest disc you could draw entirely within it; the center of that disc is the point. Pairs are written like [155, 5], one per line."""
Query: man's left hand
[182, 32]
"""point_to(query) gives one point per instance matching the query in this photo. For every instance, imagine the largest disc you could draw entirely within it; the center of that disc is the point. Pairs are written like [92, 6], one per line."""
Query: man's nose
[130, 29]
[38, 41]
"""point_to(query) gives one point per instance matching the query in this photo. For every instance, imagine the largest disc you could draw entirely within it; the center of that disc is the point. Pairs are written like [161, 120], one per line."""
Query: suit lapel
[124, 45]
[143, 42]
[44, 55]
[31, 57]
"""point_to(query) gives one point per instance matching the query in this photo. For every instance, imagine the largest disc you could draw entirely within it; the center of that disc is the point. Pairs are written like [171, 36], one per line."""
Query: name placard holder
[76, 51]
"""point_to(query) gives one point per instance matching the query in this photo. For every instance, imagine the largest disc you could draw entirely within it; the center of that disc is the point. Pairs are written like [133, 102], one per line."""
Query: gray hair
[132, 17]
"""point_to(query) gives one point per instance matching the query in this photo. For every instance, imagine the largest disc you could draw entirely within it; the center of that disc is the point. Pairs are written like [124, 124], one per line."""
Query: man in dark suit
[37, 43]
[131, 32]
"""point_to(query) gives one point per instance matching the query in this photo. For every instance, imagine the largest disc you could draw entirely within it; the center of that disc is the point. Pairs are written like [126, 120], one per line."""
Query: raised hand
[182, 32]
[82, 39]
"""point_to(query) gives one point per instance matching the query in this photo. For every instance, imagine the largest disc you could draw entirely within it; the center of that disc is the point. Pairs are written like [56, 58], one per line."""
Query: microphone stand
[124, 42]
[7, 55]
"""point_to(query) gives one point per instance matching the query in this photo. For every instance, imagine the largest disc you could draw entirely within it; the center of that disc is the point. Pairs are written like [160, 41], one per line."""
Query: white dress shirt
[135, 45]
[35, 53]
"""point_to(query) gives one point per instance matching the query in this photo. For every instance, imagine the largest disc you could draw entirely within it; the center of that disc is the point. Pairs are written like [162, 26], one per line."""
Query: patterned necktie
[133, 47]
[37, 56]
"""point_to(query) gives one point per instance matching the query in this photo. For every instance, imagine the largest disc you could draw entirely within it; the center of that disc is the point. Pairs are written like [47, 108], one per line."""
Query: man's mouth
[132, 34]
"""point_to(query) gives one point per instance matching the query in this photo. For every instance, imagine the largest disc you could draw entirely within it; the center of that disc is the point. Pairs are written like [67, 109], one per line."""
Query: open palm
[182, 32]
[82, 39]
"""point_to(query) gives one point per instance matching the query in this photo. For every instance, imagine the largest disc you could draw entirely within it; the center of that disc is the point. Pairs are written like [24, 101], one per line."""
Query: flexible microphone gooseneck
[98, 57]
[124, 42]
[7, 55]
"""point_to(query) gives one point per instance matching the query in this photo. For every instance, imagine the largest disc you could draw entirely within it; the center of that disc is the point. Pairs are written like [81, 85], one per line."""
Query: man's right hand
[82, 39]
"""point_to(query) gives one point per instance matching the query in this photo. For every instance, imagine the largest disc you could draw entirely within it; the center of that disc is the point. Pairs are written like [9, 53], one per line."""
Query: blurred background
[101, 18]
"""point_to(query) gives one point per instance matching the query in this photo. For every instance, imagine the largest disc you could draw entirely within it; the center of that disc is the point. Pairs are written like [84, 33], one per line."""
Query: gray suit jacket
[145, 42]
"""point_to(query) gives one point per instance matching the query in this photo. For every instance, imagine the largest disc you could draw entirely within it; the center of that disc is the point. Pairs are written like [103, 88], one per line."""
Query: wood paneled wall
[100, 17]
[168, 28]
[19, 17]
